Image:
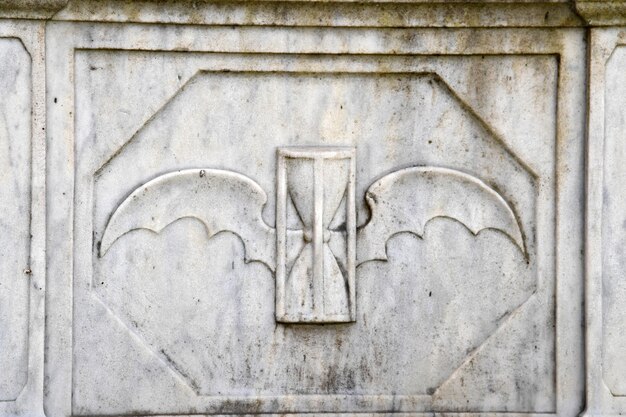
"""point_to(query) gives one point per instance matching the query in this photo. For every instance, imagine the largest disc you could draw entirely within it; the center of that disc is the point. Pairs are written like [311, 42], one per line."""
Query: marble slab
[314, 220]
[302, 207]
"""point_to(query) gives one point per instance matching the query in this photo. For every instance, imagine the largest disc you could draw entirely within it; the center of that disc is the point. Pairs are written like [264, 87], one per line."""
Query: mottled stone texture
[289, 207]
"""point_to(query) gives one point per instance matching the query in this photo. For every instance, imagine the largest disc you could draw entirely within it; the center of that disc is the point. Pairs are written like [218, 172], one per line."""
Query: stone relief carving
[409, 198]
[315, 263]
[315, 283]
[191, 312]
[489, 218]
[222, 200]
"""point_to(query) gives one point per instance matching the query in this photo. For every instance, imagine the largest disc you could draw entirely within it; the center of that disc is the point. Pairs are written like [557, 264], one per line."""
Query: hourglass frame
[316, 265]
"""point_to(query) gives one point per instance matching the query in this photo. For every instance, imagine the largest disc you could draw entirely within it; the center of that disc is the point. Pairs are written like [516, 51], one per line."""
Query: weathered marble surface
[312, 207]
[175, 322]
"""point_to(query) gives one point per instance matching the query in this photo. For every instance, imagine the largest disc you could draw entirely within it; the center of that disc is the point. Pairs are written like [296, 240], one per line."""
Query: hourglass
[316, 235]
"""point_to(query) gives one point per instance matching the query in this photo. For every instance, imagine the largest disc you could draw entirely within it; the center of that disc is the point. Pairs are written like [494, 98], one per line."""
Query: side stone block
[606, 225]
[22, 214]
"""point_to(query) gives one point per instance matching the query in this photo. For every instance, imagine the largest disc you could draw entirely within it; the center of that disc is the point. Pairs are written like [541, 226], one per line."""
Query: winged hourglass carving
[314, 257]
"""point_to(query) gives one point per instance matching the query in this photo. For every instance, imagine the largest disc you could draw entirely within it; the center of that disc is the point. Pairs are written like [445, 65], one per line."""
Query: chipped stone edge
[602, 13]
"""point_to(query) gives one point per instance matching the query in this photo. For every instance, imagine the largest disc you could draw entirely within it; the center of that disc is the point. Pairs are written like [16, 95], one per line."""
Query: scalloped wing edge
[193, 193]
[407, 199]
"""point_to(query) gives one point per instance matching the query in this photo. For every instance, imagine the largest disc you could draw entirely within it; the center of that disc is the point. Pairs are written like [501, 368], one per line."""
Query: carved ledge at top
[338, 13]
[31, 9]
[602, 13]
[329, 13]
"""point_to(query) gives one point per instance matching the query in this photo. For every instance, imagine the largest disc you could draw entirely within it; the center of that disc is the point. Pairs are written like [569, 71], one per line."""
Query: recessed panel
[184, 206]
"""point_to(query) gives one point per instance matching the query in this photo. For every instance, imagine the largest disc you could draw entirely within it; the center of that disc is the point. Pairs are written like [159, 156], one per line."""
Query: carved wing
[221, 200]
[405, 200]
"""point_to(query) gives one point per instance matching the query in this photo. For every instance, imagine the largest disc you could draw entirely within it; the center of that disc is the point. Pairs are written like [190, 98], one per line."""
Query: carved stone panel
[296, 225]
